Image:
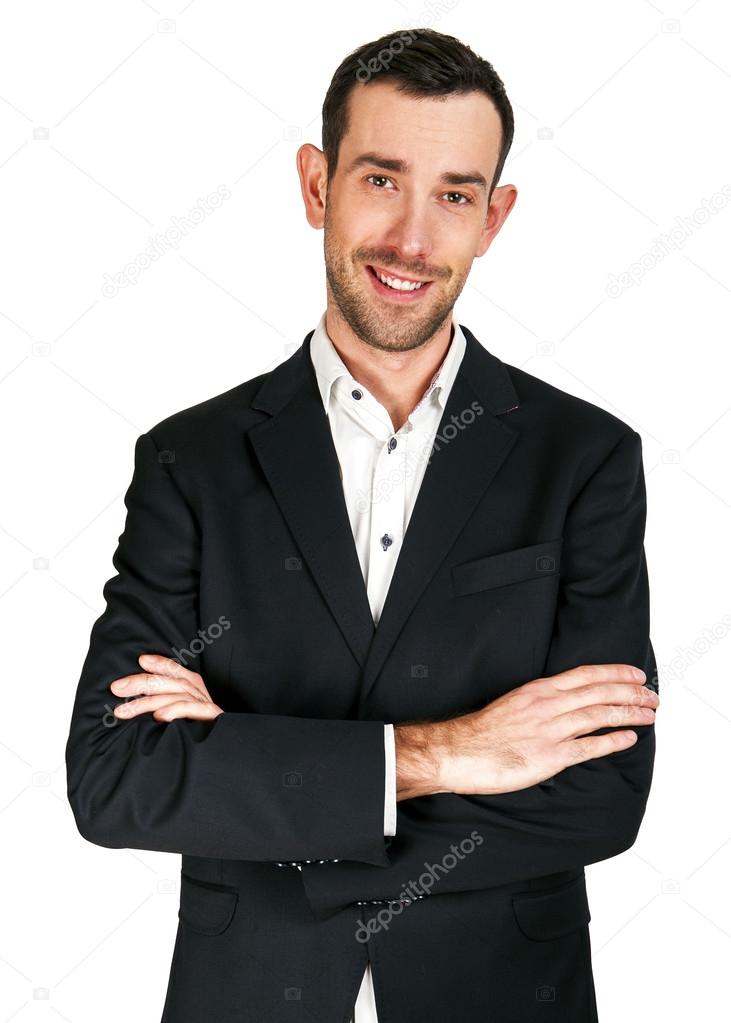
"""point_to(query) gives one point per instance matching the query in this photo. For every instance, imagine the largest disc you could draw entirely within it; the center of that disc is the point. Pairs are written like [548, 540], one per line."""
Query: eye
[467, 198]
[381, 177]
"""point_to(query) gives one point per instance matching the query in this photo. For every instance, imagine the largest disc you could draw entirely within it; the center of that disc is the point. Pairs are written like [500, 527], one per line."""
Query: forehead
[464, 127]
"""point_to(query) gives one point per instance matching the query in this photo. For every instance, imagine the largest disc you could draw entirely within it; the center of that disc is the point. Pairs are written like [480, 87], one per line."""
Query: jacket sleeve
[588, 811]
[243, 786]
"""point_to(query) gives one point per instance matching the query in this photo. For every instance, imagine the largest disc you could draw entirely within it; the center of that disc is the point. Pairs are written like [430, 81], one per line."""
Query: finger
[144, 704]
[590, 674]
[145, 683]
[587, 719]
[577, 751]
[187, 709]
[168, 666]
[616, 693]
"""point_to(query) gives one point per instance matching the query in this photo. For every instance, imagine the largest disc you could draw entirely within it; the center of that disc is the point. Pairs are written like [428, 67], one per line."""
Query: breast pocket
[522, 564]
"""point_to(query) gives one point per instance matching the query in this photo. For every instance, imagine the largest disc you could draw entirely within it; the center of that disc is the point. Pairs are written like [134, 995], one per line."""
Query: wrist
[421, 757]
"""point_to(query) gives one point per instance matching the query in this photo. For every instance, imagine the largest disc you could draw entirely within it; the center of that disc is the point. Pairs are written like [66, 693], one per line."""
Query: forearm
[587, 813]
[245, 786]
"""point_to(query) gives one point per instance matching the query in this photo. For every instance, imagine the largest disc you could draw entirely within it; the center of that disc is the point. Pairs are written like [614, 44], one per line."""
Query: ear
[501, 203]
[312, 170]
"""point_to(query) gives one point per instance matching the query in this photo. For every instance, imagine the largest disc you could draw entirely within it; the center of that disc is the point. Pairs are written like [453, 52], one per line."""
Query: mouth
[396, 288]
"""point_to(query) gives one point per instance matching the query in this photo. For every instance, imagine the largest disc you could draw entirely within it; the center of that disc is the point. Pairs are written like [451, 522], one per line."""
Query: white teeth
[397, 283]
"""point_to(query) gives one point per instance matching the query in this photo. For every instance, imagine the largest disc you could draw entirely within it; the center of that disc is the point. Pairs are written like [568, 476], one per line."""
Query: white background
[115, 121]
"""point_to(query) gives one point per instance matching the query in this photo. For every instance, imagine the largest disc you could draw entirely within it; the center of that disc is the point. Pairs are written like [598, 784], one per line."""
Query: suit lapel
[463, 463]
[298, 457]
[297, 454]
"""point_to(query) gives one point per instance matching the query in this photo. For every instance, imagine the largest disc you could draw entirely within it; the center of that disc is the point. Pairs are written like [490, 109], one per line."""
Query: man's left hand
[166, 689]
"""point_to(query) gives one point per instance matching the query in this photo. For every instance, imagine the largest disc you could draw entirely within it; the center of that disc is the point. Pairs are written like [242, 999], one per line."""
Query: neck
[397, 380]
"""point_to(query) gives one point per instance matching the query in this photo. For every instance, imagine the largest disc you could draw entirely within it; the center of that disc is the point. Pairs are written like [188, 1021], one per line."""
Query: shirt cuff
[389, 803]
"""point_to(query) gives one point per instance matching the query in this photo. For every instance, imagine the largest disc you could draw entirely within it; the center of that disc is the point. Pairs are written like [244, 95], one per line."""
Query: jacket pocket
[545, 915]
[206, 907]
[536, 561]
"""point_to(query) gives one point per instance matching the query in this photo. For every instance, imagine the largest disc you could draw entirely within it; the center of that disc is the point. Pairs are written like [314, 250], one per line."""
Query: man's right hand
[526, 735]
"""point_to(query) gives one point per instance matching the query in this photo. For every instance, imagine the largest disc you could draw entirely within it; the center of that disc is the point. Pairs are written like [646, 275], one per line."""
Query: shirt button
[391, 444]
[356, 394]
[386, 541]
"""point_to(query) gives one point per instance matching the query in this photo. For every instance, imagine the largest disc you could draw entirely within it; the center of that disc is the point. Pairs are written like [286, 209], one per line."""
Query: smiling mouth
[396, 283]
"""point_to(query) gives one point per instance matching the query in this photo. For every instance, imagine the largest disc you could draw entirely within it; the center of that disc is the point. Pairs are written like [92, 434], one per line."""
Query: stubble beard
[391, 328]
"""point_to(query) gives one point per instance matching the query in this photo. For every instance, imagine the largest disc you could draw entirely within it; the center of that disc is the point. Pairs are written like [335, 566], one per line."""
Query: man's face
[410, 222]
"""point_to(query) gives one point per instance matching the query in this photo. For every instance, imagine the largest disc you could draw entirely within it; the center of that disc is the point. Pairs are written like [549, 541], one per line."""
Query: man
[392, 570]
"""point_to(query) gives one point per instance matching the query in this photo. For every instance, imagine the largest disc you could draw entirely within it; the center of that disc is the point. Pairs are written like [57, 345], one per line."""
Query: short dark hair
[421, 62]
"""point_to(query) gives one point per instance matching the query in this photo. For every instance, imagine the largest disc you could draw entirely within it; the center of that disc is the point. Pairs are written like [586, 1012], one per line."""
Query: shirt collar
[329, 366]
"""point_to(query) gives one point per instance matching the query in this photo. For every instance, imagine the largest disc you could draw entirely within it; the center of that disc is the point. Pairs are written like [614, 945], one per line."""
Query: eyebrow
[402, 167]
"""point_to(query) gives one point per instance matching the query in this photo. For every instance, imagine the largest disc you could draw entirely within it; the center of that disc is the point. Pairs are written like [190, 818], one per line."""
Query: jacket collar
[486, 374]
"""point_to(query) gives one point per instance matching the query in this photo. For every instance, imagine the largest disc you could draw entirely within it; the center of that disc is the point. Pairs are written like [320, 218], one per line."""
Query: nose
[409, 236]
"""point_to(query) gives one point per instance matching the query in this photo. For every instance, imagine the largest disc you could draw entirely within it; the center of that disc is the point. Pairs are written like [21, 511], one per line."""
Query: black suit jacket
[523, 557]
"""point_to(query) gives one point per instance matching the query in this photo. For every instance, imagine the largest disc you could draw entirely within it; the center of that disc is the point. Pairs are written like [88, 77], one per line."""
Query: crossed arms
[189, 777]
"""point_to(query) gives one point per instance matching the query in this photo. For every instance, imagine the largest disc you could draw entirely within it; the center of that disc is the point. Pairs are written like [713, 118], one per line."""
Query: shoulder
[564, 418]
[211, 421]
[577, 437]
[550, 403]
[538, 409]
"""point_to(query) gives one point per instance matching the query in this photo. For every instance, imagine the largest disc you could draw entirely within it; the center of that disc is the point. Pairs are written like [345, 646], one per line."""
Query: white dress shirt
[381, 472]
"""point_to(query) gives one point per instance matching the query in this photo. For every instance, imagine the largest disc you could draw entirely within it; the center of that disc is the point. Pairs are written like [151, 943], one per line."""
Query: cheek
[363, 219]
[460, 265]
